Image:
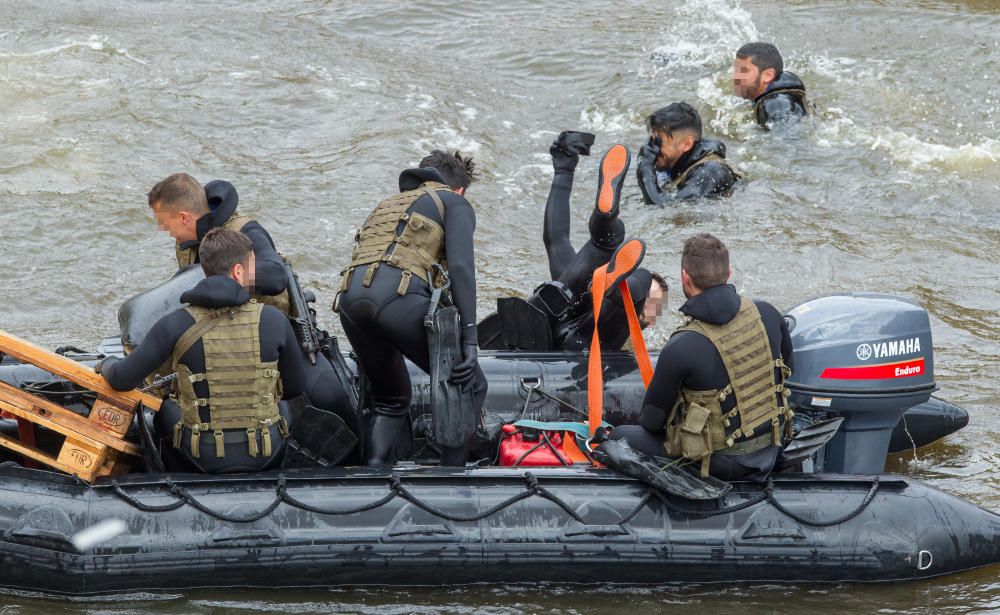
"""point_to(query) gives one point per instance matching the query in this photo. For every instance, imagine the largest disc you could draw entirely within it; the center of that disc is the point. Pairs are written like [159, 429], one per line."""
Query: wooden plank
[84, 459]
[110, 418]
[33, 453]
[26, 352]
[51, 416]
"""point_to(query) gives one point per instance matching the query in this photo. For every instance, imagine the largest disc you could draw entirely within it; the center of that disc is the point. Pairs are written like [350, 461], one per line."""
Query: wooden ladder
[94, 445]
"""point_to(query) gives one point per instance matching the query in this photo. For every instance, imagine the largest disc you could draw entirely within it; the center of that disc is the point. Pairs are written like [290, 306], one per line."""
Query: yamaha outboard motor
[867, 358]
[138, 315]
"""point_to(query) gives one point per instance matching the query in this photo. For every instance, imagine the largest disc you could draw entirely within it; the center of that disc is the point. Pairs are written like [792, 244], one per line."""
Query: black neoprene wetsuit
[710, 179]
[778, 103]
[323, 388]
[575, 269]
[690, 360]
[384, 326]
[277, 342]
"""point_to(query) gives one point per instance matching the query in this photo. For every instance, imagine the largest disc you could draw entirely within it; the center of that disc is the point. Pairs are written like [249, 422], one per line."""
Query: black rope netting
[533, 488]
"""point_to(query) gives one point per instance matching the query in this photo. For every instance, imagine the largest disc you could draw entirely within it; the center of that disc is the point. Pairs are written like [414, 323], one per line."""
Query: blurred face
[671, 147]
[653, 306]
[244, 272]
[179, 225]
[749, 81]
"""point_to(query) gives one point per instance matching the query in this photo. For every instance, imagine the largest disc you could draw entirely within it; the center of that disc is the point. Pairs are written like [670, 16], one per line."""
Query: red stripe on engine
[901, 369]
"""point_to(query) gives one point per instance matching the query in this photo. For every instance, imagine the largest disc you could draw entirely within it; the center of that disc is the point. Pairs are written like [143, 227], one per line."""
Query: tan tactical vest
[678, 181]
[697, 427]
[243, 392]
[236, 222]
[797, 93]
[415, 249]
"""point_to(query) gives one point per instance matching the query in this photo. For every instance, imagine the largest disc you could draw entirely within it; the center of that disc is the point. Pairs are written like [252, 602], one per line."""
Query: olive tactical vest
[678, 181]
[697, 426]
[236, 222]
[243, 392]
[797, 93]
[416, 248]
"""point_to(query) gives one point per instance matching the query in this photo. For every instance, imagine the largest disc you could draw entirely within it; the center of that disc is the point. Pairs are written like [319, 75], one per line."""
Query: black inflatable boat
[836, 519]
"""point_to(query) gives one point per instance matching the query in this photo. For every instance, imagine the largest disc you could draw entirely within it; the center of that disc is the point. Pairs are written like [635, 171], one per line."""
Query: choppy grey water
[312, 108]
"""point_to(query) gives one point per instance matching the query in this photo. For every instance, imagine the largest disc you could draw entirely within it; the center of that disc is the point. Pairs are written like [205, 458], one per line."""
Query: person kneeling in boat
[717, 395]
[188, 211]
[405, 249]
[563, 305]
[759, 75]
[234, 357]
[677, 163]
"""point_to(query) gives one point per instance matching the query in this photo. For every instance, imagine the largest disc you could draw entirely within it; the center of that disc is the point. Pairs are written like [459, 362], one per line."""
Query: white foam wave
[704, 33]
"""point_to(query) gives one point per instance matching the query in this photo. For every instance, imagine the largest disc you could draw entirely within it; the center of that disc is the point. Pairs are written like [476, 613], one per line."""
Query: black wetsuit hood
[715, 306]
[788, 80]
[216, 291]
[702, 148]
[222, 202]
[411, 179]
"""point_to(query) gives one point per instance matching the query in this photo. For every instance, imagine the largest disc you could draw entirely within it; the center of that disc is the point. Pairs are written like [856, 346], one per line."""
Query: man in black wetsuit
[188, 212]
[717, 394]
[572, 270]
[387, 288]
[778, 95]
[676, 163]
[229, 352]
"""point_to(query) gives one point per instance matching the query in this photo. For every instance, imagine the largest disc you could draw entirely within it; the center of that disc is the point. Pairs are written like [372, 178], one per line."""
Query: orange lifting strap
[628, 256]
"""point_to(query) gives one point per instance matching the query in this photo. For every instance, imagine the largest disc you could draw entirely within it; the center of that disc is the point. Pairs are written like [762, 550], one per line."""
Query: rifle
[312, 338]
[302, 317]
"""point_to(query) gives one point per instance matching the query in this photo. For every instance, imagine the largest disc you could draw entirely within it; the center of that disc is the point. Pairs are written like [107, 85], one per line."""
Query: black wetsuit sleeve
[459, 229]
[646, 175]
[780, 108]
[269, 277]
[278, 341]
[155, 349]
[709, 179]
[556, 226]
[671, 369]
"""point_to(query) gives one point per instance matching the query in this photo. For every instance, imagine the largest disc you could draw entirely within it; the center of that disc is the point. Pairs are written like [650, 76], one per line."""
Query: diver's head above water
[756, 67]
[177, 203]
[458, 172]
[674, 129]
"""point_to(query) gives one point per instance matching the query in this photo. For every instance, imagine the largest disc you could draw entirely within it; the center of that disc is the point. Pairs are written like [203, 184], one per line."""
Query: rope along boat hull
[434, 526]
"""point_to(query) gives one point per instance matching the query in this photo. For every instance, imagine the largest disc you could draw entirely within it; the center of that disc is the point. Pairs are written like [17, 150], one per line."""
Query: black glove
[646, 172]
[103, 363]
[567, 149]
[462, 373]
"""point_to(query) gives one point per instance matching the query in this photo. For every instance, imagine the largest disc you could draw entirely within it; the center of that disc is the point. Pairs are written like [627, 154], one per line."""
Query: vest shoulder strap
[236, 222]
[437, 201]
[194, 333]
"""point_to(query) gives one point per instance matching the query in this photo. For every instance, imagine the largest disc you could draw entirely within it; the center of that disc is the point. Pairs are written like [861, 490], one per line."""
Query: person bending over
[387, 289]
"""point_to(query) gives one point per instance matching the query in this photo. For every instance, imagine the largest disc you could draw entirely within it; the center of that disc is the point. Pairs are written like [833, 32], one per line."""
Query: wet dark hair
[178, 192]
[763, 56]
[675, 117]
[659, 280]
[222, 248]
[458, 172]
[706, 260]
